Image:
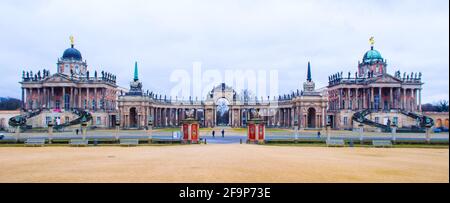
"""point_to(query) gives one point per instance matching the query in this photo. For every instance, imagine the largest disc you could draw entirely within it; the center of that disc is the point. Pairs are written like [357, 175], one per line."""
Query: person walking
[318, 134]
[223, 133]
[213, 133]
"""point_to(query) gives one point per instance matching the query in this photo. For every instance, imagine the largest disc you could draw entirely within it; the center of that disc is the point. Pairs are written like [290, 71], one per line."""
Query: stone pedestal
[427, 133]
[296, 128]
[256, 131]
[84, 130]
[17, 133]
[190, 130]
[50, 132]
[327, 130]
[117, 124]
[149, 130]
[394, 132]
[361, 133]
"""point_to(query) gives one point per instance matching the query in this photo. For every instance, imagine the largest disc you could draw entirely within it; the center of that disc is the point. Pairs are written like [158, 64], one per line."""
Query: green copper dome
[372, 55]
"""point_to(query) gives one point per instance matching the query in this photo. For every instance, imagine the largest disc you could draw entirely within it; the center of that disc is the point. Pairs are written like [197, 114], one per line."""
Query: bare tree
[442, 106]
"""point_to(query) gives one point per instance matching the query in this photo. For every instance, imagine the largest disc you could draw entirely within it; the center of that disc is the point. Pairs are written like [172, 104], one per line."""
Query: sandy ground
[222, 163]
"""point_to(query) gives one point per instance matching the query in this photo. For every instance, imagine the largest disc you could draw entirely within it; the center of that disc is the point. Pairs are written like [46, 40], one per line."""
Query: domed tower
[372, 61]
[71, 62]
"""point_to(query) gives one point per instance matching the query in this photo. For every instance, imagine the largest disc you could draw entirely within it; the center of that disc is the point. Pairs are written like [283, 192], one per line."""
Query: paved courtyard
[222, 163]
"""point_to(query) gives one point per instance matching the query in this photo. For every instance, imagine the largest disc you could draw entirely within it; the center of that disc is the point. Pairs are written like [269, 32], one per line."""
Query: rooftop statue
[254, 114]
[190, 114]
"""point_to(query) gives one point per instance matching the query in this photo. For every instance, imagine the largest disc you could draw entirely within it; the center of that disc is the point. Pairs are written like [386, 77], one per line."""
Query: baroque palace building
[370, 96]
[61, 96]
[375, 94]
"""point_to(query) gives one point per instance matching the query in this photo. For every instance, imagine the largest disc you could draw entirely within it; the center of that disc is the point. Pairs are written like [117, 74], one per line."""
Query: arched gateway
[311, 118]
[133, 118]
[223, 112]
[224, 106]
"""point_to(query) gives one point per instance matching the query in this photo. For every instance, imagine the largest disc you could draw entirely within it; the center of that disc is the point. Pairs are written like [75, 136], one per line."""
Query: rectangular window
[58, 104]
[98, 121]
[47, 119]
[345, 120]
[93, 104]
[66, 102]
[85, 104]
[377, 119]
[395, 120]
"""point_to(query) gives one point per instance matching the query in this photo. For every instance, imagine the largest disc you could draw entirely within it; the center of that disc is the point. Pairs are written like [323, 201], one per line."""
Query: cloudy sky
[164, 36]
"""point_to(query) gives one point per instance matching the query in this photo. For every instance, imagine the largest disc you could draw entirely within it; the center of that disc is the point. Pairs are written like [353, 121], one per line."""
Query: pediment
[388, 79]
[57, 78]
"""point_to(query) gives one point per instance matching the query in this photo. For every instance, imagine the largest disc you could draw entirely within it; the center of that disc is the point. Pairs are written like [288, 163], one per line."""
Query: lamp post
[117, 124]
[327, 130]
[150, 129]
[427, 133]
[83, 127]
[296, 130]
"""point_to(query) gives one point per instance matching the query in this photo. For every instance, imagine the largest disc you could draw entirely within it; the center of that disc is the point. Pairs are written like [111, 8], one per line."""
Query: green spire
[309, 73]
[136, 72]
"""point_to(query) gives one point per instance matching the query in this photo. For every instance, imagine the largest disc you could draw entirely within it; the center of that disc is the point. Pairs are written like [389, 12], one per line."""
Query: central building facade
[223, 106]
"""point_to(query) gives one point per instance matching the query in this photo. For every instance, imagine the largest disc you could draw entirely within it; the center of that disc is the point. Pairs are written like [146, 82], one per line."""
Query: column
[339, 98]
[404, 98]
[176, 117]
[323, 116]
[215, 117]
[364, 98]
[23, 98]
[420, 99]
[39, 96]
[87, 98]
[300, 116]
[230, 113]
[79, 99]
[72, 101]
[63, 100]
[371, 98]
[391, 96]
[44, 97]
[103, 98]
[380, 100]
[52, 99]
[348, 99]
[96, 99]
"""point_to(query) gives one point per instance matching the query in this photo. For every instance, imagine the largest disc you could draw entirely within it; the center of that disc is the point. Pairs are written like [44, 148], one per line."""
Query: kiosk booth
[256, 130]
[190, 131]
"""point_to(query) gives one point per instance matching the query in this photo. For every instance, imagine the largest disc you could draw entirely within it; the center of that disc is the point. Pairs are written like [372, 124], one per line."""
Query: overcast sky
[261, 35]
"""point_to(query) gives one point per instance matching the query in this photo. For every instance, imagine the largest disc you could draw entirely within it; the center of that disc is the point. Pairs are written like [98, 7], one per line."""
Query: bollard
[240, 140]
